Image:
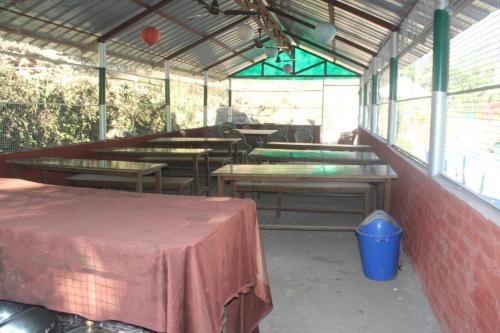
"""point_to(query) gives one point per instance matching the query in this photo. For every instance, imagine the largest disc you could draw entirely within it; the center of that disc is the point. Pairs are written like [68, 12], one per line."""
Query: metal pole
[393, 91]
[440, 66]
[322, 128]
[102, 91]
[230, 102]
[365, 105]
[360, 102]
[168, 114]
[374, 114]
[205, 99]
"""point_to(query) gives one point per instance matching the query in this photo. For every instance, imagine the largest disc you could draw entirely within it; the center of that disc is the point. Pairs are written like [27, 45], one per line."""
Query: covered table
[166, 263]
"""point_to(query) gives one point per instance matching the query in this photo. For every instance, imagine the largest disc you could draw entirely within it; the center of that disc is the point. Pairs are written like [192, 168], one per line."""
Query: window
[415, 81]
[383, 105]
[186, 98]
[472, 148]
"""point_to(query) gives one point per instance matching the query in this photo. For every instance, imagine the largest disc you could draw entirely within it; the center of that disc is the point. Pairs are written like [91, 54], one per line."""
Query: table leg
[233, 188]
[14, 171]
[196, 176]
[220, 186]
[207, 173]
[138, 183]
[158, 182]
[44, 176]
[387, 195]
[380, 196]
[235, 156]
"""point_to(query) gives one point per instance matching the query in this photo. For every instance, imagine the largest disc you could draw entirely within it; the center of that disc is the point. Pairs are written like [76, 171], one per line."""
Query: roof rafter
[312, 26]
[364, 15]
[187, 27]
[223, 60]
[321, 47]
[266, 21]
[130, 22]
[205, 38]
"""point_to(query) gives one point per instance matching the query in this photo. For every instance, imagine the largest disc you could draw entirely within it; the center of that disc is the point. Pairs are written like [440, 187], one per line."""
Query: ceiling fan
[214, 9]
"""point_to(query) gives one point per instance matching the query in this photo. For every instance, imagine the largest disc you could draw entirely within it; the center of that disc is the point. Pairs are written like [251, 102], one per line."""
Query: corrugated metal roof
[73, 26]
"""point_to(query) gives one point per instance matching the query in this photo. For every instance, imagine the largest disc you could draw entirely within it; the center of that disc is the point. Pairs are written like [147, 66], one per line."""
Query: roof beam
[266, 21]
[127, 24]
[364, 15]
[321, 47]
[312, 26]
[223, 60]
[205, 38]
[187, 27]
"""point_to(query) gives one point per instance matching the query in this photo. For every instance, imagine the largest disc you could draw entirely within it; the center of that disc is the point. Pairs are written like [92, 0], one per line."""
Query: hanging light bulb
[325, 32]
[245, 32]
[278, 59]
[287, 68]
[271, 52]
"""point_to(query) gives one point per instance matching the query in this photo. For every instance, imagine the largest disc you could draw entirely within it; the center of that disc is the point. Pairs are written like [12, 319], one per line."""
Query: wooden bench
[213, 160]
[178, 184]
[363, 189]
[242, 154]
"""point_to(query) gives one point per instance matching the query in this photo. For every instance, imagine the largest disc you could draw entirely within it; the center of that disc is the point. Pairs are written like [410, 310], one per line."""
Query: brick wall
[454, 249]
[77, 151]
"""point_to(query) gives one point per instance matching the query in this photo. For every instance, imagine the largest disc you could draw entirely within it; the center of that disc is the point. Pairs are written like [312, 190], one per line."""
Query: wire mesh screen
[383, 106]
[414, 99]
[29, 126]
[186, 100]
[218, 100]
[472, 149]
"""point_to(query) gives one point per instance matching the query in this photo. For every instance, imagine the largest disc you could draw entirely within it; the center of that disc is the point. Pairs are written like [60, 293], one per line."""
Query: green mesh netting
[306, 66]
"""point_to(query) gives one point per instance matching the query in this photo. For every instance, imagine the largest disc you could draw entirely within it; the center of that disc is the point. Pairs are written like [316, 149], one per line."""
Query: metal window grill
[415, 81]
[472, 148]
[383, 106]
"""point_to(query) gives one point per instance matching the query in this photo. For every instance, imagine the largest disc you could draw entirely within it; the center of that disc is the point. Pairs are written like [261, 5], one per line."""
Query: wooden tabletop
[249, 131]
[85, 165]
[202, 140]
[318, 146]
[362, 173]
[340, 157]
[148, 151]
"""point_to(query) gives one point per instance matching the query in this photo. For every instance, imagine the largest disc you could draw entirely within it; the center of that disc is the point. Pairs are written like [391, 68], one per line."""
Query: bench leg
[279, 203]
[367, 202]
[158, 182]
[138, 183]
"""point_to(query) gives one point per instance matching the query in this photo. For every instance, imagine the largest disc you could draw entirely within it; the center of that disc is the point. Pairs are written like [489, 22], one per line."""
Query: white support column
[440, 67]
[102, 91]
[365, 100]
[168, 115]
[230, 102]
[393, 85]
[374, 96]
[205, 99]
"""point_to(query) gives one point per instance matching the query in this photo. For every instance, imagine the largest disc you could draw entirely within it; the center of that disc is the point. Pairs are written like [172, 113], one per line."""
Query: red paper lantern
[288, 68]
[150, 35]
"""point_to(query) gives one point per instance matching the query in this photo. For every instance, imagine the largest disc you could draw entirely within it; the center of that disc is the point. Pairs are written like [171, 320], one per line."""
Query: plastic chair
[277, 137]
[347, 138]
[303, 135]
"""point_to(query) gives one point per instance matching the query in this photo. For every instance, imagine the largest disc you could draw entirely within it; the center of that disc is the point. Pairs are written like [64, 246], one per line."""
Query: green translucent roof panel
[305, 66]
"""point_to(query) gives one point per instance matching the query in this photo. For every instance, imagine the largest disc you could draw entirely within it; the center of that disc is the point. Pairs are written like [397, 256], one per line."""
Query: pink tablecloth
[167, 263]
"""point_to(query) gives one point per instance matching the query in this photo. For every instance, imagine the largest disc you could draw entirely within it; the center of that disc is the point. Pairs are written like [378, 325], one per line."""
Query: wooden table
[318, 146]
[377, 174]
[319, 156]
[117, 168]
[165, 263]
[193, 153]
[262, 133]
[205, 142]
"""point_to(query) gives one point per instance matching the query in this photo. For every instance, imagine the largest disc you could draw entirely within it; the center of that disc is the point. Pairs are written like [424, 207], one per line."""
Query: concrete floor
[318, 286]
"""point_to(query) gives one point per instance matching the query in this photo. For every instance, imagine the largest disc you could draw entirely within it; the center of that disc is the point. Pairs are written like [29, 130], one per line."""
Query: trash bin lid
[379, 228]
[379, 224]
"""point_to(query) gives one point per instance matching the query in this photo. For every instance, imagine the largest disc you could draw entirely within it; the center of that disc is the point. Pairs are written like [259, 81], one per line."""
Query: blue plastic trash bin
[378, 238]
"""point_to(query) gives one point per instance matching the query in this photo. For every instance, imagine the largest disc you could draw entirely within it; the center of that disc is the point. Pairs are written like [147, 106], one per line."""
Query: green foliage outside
[46, 104]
